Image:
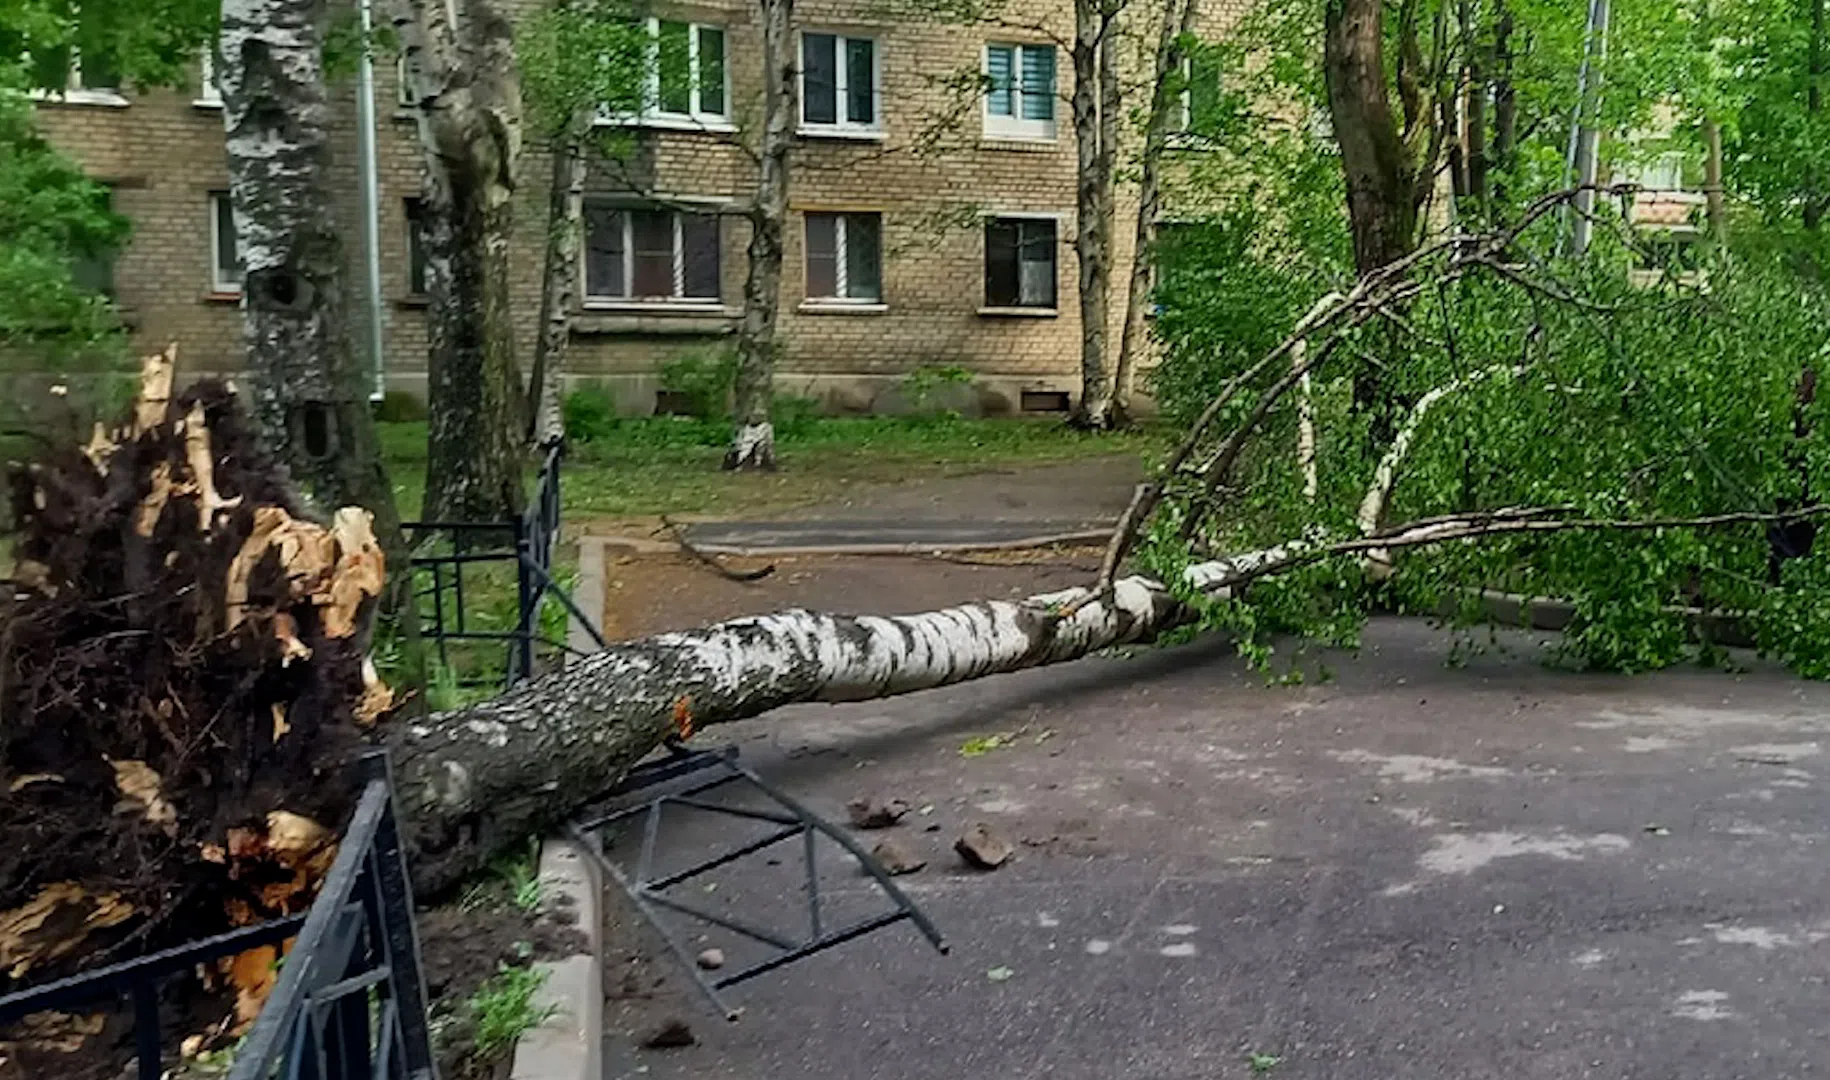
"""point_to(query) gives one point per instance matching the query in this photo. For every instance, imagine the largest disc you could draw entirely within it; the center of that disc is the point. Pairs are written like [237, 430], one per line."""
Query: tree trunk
[308, 393]
[1092, 231]
[473, 782]
[1505, 103]
[1715, 210]
[1814, 103]
[1381, 181]
[753, 441]
[558, 287]
[1179, 18]
[1479, 67]
[463, 76]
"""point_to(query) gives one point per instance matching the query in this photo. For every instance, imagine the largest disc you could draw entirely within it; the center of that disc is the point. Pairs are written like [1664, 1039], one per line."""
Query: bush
[589, 412]
[398, 407]
[704, 379]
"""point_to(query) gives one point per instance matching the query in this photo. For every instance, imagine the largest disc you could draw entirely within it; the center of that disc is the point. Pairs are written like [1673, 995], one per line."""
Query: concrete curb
[638, 546]
[569, 1044]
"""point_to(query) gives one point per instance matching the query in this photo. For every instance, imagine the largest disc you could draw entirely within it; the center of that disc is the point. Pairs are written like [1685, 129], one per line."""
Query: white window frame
[220, 286]
[209, 95]
[697, 117]
[841, 127]
[1024, 310]
[75, 93]
[676, 302]
[403, 84]
[843, 264]
[1015, 126]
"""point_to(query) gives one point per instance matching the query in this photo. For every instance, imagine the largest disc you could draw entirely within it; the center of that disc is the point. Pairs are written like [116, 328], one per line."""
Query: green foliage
[705, 379]
[576, 58]
[589, 412]
[52, 218]
[929, 388]
[397, 406]
[503, 1009]
[1623, 404]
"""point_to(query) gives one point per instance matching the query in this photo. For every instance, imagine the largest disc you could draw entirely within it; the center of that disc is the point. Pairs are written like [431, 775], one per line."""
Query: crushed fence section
[692, 781]
[350, 1001]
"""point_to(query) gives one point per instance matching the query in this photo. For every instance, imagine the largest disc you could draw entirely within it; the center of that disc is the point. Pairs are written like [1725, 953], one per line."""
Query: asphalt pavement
[1412, 869]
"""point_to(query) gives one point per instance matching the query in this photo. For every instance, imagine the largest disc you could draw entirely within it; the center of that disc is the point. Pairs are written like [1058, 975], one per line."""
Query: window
[686, 84]
[650, 255]
[93, 270]
[225, 246]
[416, 247]
[1020, 91]
[1020, 263]
[1663, 173]
[81, 73]
[403, 84]
[838, 84]
[1201, 94]
[209, 92]
[845, 257]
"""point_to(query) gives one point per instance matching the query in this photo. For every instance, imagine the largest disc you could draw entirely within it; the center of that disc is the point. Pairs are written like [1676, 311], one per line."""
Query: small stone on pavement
[711, 959]
[983, 849]
[874, 813]
[897, 859]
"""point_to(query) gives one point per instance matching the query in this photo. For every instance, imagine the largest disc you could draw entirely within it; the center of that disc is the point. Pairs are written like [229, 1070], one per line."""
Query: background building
[931, 220]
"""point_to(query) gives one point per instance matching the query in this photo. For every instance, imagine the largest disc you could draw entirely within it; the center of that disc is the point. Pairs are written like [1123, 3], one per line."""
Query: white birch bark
[1163, 102]
[753, 442]
[476, 780]
[307, 391]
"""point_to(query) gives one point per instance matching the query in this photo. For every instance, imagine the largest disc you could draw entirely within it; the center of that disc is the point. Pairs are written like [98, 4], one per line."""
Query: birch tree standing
[578, 60]
[308, 391]
[460, 65]
[753, 441]
[1095, 102]
[1179, 19]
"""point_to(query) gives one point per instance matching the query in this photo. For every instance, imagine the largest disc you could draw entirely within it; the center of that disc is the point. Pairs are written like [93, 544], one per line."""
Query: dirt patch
[654, 594]
[462, 946]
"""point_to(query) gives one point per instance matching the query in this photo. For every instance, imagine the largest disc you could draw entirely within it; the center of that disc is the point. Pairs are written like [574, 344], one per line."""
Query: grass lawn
[642, 468]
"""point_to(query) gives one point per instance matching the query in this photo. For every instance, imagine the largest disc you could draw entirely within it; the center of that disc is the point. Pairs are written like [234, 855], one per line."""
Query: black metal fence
[450, 558]
[350, 1001]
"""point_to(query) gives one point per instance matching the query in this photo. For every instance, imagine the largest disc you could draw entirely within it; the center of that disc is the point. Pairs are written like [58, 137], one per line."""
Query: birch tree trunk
[1092, 230]
[1179, 18]
[308, 392]
[462, 69]
[475, 781]
[558, 287]
[753, 442]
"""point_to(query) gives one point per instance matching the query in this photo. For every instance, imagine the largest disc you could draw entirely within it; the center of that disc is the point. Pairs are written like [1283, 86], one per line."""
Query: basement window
[1043, 401]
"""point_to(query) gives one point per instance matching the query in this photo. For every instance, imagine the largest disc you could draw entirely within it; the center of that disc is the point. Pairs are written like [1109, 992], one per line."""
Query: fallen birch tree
[183, 697]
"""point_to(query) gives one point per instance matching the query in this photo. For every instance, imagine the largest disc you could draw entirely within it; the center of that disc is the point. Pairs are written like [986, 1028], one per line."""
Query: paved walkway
[1078, 500]
[1413, 870]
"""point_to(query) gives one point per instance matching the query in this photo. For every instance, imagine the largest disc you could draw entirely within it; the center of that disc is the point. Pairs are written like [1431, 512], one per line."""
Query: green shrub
[705, 379]
[589, 412]
[398, 406]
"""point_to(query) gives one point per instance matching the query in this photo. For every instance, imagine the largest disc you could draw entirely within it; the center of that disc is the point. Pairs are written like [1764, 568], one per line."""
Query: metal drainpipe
[371, 198]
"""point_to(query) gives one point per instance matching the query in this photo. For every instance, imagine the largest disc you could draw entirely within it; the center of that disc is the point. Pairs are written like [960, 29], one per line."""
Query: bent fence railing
[447, 551]
[350, 1000]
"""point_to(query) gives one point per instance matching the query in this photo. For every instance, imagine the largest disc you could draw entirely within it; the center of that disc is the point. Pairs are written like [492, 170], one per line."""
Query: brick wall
[932, 182]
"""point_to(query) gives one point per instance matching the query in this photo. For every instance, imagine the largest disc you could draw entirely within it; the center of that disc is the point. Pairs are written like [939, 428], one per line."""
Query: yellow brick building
[931, 220]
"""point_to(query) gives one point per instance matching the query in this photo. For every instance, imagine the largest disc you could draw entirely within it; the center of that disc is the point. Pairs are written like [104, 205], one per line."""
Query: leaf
[999, 974]
[980, 745]
[139, 787]
[1262, 1063]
